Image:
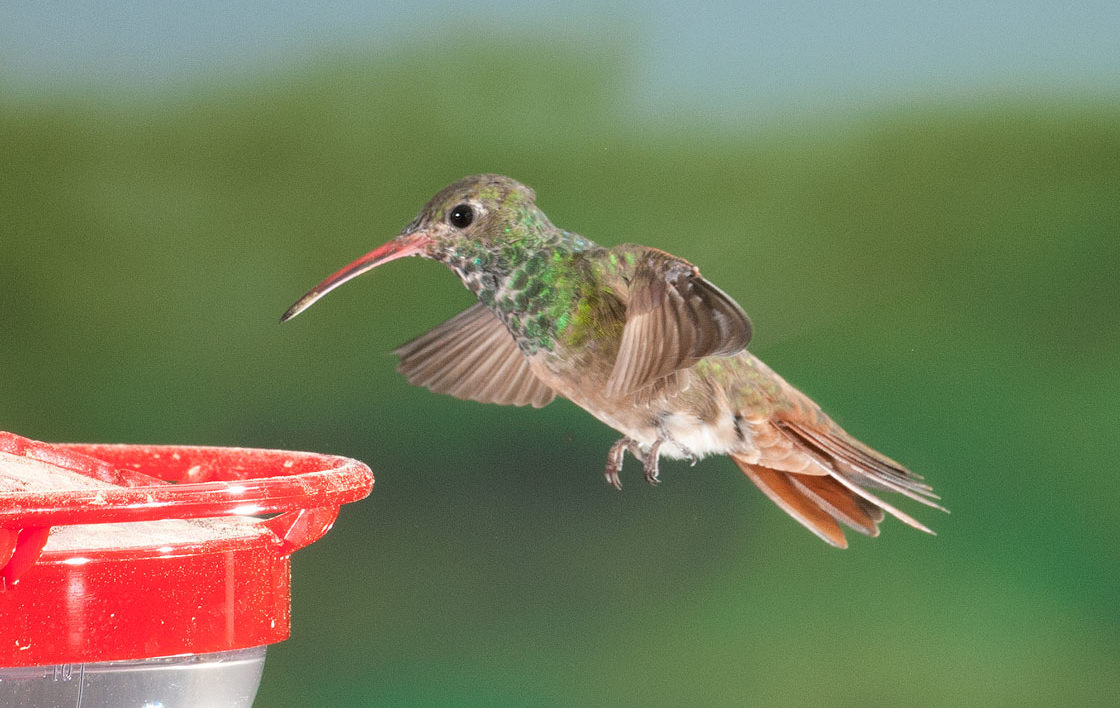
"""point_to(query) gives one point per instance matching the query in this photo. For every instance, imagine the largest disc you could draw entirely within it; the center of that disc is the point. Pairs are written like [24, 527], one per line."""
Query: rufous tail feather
[841, 493]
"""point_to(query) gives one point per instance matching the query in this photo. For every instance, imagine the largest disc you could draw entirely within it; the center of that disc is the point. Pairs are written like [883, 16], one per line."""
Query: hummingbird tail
[840, 490]
[811, 511]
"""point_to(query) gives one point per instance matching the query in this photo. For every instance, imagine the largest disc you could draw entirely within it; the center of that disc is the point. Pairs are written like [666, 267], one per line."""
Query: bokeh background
[919, 207]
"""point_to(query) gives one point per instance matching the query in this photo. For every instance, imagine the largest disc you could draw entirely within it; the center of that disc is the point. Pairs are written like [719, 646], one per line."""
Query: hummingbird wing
[473, 356]
[674, 318]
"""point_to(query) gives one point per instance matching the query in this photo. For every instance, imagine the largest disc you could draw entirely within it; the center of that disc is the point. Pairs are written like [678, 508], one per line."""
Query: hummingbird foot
[614, 459]
[649, 460]
[649, 463]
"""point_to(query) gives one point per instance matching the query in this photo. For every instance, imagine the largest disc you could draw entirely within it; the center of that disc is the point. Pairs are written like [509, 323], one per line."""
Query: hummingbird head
[465, 225]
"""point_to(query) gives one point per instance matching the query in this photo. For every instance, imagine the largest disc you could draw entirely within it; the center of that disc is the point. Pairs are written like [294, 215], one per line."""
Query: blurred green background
[935, 263]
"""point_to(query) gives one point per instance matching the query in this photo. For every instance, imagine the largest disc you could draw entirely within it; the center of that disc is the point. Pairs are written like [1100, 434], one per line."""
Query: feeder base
[226, 678]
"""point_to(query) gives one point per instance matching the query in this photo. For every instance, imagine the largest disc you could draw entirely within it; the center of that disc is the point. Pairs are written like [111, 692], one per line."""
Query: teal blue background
[937, 268]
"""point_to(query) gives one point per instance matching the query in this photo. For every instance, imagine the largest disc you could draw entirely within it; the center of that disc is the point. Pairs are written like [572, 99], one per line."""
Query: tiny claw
[614, 461]
[649, 467]
[615, 456]
[612, 477]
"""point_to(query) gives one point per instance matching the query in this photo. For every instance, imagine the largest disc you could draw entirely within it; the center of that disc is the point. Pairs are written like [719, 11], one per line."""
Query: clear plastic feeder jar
[152, 576]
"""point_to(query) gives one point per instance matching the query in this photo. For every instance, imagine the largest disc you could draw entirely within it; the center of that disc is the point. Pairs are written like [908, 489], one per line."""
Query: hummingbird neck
[531, 289]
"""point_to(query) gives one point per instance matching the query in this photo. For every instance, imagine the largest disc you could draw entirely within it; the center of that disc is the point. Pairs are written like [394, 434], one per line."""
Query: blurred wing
[473, 356]
[674, 318]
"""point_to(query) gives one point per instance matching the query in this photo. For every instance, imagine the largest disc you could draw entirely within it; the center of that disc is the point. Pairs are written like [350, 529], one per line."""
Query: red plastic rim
[68, 596]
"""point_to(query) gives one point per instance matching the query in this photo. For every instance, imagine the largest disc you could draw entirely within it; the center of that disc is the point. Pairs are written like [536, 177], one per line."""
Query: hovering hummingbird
[637, 338]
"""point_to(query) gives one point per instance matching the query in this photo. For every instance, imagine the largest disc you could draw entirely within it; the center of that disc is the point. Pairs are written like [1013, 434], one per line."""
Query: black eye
[461, 216]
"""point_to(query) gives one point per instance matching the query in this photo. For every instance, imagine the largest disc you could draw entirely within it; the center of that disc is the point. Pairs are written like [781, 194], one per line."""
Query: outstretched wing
[473, 356]
[674, 318]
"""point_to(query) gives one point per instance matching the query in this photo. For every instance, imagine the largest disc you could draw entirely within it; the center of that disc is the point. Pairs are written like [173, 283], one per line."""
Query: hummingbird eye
[461, 216]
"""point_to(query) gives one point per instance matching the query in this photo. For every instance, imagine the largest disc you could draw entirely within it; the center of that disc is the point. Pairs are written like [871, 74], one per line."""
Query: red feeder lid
[116, 552]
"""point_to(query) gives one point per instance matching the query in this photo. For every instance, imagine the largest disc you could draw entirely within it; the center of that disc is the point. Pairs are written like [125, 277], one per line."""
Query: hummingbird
[637, 338]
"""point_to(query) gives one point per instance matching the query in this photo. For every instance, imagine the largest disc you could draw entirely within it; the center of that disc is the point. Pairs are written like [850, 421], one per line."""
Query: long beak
[407, 244]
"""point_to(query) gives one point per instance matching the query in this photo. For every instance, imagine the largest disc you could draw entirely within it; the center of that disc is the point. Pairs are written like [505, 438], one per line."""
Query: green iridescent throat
[536, 283]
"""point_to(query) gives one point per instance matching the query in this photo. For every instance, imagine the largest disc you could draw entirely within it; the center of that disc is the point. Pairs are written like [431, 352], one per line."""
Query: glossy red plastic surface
[226, 589]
